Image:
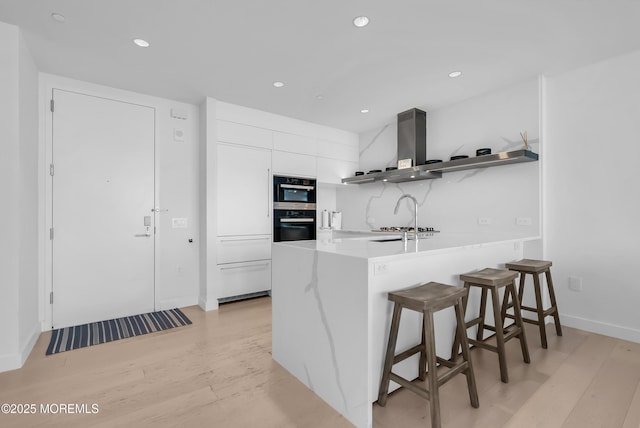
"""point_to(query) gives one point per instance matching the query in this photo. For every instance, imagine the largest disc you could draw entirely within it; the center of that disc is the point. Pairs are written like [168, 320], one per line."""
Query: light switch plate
[179, 223]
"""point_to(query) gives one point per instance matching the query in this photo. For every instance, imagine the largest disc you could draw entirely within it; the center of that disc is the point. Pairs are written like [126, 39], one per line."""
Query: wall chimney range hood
[412, 136]
[412, 144]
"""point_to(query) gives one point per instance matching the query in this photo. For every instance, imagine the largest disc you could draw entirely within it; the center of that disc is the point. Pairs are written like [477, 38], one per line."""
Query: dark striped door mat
[81, 336]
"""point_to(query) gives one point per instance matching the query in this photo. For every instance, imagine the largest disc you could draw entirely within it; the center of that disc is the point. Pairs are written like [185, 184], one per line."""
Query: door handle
[147, 226]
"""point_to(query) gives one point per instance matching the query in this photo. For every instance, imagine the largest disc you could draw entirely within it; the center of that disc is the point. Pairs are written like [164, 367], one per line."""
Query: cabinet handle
[268, 191]
[243, 266]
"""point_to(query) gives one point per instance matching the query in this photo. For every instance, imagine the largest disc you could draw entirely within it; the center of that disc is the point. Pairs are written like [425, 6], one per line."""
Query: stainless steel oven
[294, 190]
[294, 225]
[294, 209]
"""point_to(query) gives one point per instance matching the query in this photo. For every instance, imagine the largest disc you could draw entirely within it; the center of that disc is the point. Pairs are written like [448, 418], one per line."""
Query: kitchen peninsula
[331, 315]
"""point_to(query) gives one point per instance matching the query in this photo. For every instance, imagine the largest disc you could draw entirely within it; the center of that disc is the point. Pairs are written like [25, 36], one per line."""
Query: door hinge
[51, 169]
[51, 298]
[51, 233]
[51, 106]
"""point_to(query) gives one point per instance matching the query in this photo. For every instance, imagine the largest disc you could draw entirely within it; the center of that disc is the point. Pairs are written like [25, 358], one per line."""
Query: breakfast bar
[331, 315]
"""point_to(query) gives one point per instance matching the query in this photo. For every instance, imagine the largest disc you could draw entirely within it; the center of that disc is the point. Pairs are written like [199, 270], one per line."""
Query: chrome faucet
[415, 204]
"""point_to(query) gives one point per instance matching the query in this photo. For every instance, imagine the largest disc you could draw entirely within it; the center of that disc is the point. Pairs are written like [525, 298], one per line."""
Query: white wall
[9, 195]
[30, 228]
[18, 193]
[454, 202]
[592, 194]
[177, 190]
[207, 298]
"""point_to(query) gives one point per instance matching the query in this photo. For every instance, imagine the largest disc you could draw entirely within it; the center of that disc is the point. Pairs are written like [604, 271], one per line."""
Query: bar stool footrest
[411, 387]
[406, 354]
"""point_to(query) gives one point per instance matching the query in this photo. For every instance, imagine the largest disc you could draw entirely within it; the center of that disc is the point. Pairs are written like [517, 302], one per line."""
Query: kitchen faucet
[415, 204]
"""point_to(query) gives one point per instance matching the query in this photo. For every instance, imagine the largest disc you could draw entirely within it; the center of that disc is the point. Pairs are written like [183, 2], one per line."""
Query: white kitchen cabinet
[294, 164]
[294, 143]
[244, 190]
[237, 279]
[237, 133]
[234, 249]
[332, 170]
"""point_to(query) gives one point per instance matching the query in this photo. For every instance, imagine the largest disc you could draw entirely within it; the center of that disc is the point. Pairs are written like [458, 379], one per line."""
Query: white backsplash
[456, 201]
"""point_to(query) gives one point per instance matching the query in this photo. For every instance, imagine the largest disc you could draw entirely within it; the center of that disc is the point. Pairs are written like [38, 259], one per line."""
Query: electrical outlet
[380, 268]
[575, 283]
[523, 221]
[484, 220]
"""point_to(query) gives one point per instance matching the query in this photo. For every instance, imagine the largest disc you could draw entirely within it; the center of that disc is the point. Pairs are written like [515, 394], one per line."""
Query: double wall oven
[294, 209]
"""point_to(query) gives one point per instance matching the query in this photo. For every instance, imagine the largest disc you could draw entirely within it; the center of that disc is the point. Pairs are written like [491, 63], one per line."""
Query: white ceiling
[234, 50]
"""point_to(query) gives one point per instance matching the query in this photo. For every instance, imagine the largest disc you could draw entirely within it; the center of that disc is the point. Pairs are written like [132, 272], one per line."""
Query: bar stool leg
[552, 296]
[432, 375]
[457, 336]
[422, 367]
[523, 277]
[483, 311]
[466, 355]
[388, 360]
[540, 310]
[517, 313]
[505, 304]
[502, 358]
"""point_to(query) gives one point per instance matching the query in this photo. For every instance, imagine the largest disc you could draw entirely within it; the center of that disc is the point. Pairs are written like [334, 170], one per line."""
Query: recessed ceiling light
[278, 84]
[319, 97]
[141, 42]
[364, 110]
[360, 21]
[455, 74]
[58, 17]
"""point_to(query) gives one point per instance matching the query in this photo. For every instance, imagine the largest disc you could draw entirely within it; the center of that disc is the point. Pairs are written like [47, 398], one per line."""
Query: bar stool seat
[535, 268]
[427, 299]
[490, 281]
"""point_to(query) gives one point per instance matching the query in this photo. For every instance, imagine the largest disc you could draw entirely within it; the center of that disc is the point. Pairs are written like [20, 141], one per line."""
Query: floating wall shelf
[435, 170]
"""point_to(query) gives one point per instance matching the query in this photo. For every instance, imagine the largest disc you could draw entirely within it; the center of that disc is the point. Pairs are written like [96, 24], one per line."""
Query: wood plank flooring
[218, 372]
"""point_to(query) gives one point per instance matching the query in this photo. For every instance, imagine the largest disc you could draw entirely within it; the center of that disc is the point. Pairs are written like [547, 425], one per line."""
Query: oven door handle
[296, 220]
[296, 186]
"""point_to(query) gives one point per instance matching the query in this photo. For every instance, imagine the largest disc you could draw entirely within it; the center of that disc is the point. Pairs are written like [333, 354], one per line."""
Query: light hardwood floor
[218, 372]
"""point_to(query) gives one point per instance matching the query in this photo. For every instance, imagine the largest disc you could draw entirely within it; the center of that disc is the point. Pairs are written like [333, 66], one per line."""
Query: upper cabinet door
[244, 190]
[238, 133]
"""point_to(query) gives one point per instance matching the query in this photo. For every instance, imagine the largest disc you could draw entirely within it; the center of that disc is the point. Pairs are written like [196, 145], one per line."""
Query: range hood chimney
[412, 136]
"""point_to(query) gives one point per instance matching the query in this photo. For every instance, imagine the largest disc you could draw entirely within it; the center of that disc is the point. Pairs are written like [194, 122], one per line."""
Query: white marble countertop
[362, 244]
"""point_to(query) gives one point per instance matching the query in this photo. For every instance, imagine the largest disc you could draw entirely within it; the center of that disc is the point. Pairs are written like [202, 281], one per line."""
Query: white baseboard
[177, 303]
[28, 346]
[606, 329]
[208, 305]
[9, 362]
[17, 360]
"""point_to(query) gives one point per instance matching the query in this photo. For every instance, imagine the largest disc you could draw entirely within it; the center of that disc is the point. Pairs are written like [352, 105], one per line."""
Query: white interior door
[103, 196]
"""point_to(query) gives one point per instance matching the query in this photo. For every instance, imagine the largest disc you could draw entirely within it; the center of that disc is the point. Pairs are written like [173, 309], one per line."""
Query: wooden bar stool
[535, 268]
[428, 298]
[491, 280]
